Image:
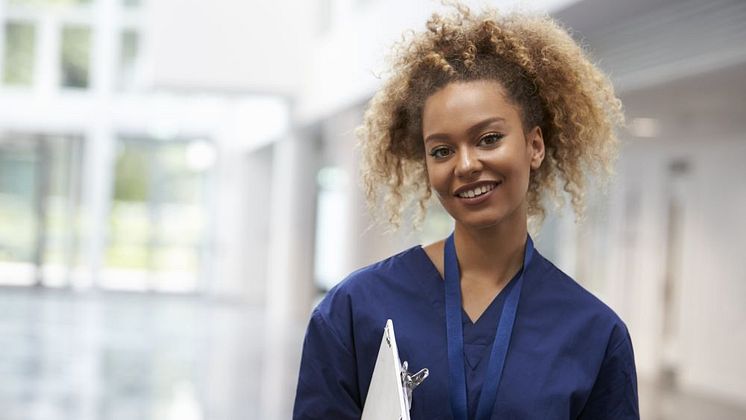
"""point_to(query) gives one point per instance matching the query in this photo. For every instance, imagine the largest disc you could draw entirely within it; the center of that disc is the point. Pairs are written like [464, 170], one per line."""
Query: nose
[468, 163]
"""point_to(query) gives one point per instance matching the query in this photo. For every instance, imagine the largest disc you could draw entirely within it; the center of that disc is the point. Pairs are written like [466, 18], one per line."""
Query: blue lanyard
[455, 335]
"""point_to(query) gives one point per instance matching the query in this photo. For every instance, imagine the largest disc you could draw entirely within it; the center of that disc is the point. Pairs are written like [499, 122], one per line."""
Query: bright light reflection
[200, 155]
[645, 127]
[184, 405]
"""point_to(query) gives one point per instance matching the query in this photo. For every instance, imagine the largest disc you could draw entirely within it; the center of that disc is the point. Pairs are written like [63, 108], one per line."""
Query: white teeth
[476, 191]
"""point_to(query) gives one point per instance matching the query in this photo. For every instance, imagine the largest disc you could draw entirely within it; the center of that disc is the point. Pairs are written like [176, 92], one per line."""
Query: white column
[104, 48]
[96, 200]
[258, 217]
[46, 60]
[244, 181]
[289, 274]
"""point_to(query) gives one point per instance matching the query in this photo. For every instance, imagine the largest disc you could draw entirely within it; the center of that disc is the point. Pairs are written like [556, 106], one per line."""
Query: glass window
[39, 202]
[158, 220]
[332, 226]
[18, 178]
[75, 57]
[131, 3]
[20, 40]
[63, 173]
[129, 46]
[130, 228]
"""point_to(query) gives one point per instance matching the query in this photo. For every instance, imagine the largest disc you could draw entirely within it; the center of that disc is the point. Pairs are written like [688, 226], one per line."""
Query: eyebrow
[471, 131]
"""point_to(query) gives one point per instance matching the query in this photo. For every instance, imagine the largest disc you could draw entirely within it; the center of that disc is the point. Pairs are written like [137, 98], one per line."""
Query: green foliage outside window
[20, 40]
[157, 220]
[76, 52]
[132, 174]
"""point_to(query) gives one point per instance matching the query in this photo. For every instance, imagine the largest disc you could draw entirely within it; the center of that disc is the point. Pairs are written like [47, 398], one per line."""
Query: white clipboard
[389, 394]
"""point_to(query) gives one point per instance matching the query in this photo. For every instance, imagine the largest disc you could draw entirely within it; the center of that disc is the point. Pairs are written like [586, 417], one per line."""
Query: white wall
[698, 120]
[710, 310]
[713, 295]
[348, 60]
[249, 46]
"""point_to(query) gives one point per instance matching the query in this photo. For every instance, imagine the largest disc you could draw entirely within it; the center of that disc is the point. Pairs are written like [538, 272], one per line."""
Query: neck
[492, 254]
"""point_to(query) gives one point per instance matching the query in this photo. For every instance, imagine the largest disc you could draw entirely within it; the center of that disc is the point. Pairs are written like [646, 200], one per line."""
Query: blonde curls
[543, 71]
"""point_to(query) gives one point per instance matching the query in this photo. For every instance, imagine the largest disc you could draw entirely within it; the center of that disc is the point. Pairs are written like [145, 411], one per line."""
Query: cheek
[522, 175]
[435, 178]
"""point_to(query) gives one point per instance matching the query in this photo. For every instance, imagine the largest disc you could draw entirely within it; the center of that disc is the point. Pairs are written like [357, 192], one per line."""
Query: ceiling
[587, 17]
[695, 107]
[644, 43]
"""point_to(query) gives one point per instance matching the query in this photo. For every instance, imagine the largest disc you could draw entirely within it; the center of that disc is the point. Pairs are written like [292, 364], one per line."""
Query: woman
[492, 113]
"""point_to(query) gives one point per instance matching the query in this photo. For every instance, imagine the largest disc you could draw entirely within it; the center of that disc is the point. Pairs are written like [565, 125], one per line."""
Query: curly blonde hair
[543, 72]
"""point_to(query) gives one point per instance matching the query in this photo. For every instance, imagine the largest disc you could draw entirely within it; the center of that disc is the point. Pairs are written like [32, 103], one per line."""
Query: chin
[479, 221]
[482, 224]
[487, 218]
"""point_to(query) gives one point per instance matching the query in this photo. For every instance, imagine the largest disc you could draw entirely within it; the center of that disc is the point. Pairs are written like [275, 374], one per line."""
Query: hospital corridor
[179, 187]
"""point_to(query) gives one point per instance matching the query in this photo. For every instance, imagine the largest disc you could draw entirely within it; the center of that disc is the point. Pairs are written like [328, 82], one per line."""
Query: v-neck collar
[487, 311]
[477, 335]
[437, 293]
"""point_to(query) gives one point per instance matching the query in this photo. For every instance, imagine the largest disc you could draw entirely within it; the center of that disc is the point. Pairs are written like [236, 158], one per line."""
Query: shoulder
[391, 277]
[572, 304]
[381, 274]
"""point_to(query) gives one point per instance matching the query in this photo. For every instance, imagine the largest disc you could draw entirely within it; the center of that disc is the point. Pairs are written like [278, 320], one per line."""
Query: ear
[535, 141]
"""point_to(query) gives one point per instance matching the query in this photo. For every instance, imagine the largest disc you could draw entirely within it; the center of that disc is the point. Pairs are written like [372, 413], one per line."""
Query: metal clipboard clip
[411, 381]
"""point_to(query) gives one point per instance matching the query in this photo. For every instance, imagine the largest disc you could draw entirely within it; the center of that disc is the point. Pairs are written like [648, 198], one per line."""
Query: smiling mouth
[477, 191]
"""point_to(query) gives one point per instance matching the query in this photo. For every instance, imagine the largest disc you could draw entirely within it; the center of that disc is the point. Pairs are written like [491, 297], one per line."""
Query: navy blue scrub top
[570, 355]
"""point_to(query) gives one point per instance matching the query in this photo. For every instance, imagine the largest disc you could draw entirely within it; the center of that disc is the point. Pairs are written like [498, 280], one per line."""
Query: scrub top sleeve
[614, 394]
[327, 383]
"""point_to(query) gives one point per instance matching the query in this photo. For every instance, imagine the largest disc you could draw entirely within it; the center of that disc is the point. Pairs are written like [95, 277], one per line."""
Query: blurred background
[178, 187]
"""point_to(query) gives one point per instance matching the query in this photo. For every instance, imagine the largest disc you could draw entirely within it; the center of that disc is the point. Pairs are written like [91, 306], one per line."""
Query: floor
[104, 356]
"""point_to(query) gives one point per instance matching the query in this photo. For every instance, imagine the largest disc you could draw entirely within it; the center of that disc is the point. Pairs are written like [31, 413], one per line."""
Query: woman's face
[478, 156]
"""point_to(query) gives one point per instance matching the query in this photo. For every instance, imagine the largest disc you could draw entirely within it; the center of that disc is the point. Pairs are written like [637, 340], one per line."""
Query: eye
[490, 139]
[440, 152]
